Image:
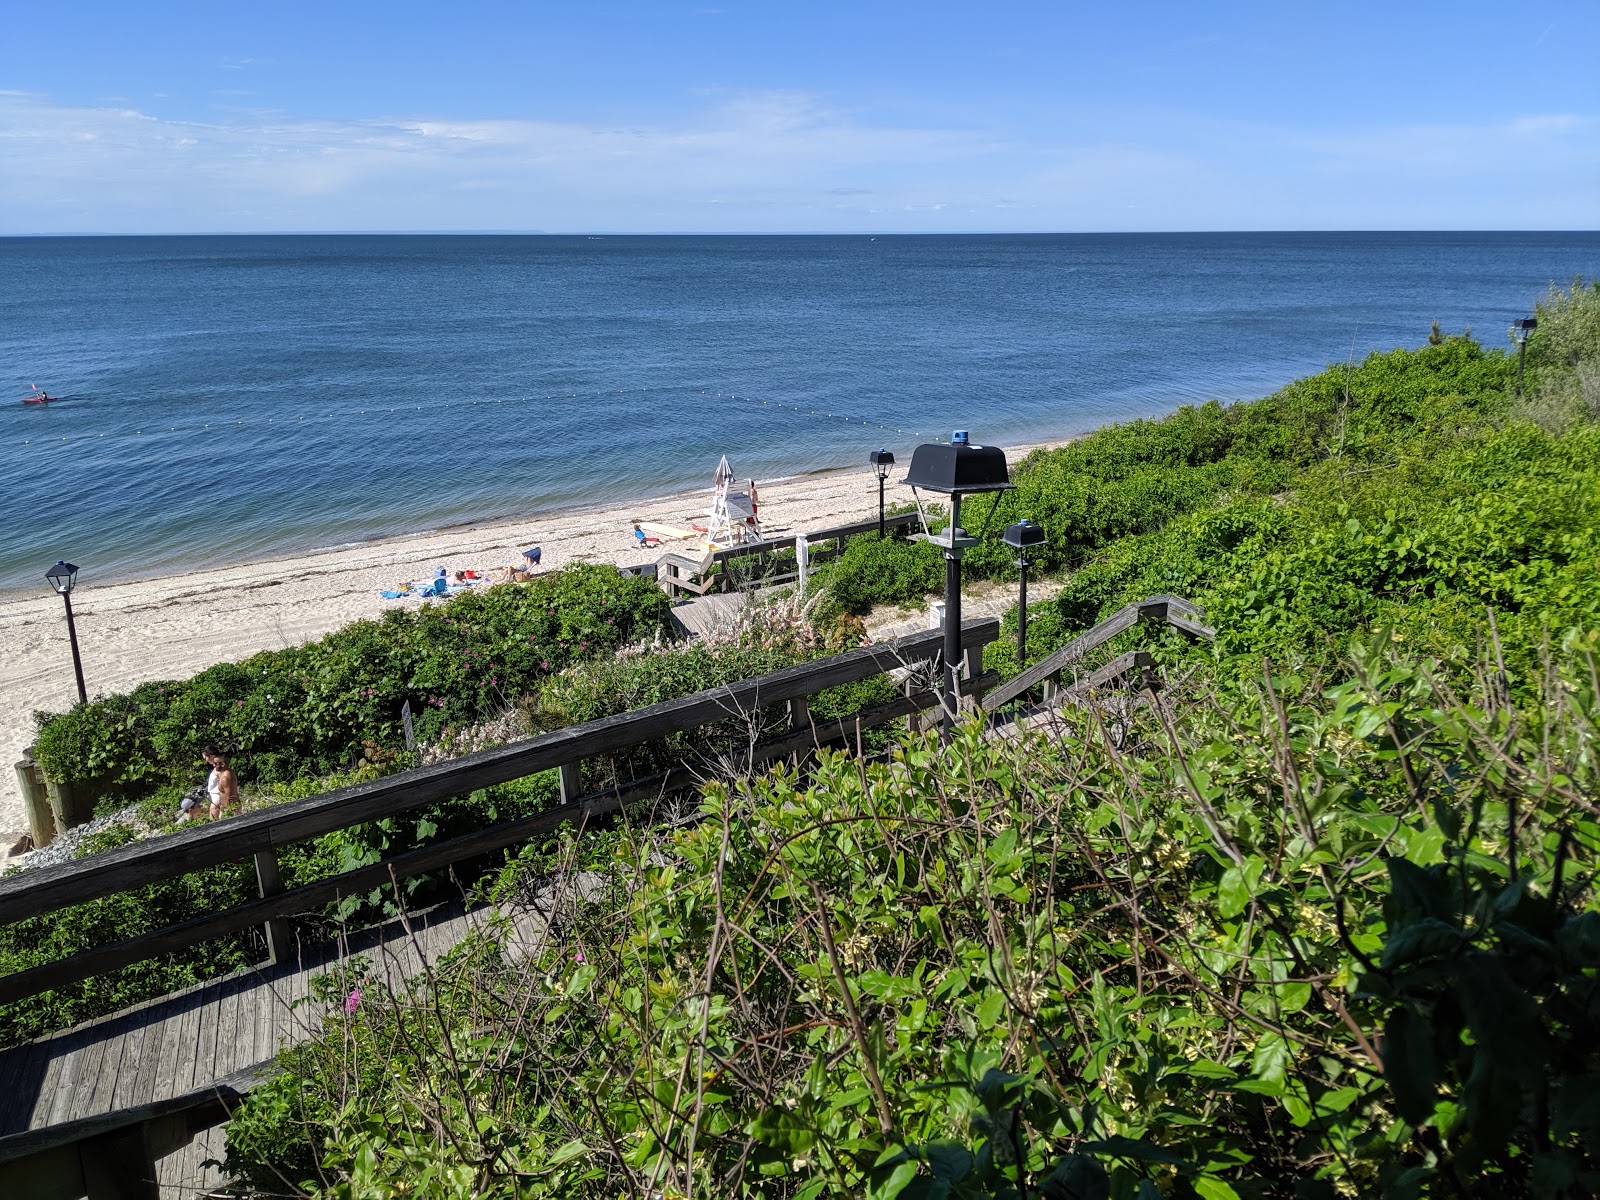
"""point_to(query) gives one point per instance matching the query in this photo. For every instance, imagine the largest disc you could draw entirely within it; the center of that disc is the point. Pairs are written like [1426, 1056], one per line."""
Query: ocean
[232, 398]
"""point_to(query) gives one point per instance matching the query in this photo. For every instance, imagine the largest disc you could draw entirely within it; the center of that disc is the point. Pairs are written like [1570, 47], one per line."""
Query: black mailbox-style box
[958, 467]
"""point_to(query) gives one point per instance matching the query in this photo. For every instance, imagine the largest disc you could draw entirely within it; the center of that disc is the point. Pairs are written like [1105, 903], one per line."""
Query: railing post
[119, 1166]
[269, 882]
[802, 562]
[36, 801]
[571, 781]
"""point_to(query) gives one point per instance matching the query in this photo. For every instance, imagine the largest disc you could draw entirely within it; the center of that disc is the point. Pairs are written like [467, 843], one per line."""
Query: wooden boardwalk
[709, 613]
[181, 1045]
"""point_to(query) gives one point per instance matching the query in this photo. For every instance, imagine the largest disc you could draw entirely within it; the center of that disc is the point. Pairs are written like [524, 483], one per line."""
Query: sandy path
[174, 626]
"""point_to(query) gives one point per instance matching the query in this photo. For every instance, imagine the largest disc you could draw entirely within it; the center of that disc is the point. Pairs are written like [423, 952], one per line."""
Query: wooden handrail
[1175, 610]
[772, 545]
[47, 889]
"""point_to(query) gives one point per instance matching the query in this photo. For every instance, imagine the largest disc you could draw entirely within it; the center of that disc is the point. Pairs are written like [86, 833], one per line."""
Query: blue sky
[730, 116]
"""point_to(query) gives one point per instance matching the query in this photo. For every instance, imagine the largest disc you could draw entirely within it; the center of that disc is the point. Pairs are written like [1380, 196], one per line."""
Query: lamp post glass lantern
[881, 461]
[62, 577]
[1520, 329]
[1022, 537]
[955, 469]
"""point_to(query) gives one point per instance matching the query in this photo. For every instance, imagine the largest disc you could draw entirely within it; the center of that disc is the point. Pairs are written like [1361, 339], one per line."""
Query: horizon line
[603, 233]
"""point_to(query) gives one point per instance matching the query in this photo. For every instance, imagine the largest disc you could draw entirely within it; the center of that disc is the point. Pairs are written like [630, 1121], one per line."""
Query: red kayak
[38, 395]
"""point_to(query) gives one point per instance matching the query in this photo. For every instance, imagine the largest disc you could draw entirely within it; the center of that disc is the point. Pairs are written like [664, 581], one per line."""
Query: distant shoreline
[561, 513]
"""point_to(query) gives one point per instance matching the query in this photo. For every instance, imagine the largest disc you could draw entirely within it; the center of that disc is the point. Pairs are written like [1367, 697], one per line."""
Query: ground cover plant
[1272, 941]
[315, 709]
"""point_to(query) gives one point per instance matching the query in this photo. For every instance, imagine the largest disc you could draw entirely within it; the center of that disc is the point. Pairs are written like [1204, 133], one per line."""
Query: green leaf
[1426, 938]
[1138, 1149]
[1239, 883]
[990, 1007]
[1408, 1065]
[896, 1182]
[1209, 1187]
[1077, 1177]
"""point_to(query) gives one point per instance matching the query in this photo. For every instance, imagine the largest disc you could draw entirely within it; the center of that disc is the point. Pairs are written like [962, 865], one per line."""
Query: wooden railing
[677, 572]
[260, 835]
[1174, 610]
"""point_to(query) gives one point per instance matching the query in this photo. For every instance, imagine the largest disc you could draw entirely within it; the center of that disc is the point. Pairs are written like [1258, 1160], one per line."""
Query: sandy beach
[174, 626]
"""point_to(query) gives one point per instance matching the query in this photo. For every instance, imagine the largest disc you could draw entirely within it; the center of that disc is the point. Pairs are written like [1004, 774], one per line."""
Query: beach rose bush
[313, 710]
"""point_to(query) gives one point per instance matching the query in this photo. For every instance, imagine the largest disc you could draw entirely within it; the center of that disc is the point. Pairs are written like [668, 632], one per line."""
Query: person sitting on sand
[532, 555]
[645, 539]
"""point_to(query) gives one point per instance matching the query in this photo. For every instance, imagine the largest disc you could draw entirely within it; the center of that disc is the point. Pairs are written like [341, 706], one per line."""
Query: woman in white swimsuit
[221, 785]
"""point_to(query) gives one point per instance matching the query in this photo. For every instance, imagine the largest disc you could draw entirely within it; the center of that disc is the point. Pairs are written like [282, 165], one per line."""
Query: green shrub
[871, 572]
[311, 710]
[1312, 942]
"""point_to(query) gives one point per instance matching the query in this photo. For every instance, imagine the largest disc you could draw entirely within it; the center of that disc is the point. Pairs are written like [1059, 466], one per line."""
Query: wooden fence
[260, 835]
[1174, 610]
[682, 573]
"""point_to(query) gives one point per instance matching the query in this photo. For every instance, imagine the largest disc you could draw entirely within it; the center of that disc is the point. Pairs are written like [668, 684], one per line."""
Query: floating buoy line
[826, 413]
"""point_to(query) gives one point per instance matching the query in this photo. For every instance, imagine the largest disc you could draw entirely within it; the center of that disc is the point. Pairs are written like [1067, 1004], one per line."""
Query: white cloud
[773, 160]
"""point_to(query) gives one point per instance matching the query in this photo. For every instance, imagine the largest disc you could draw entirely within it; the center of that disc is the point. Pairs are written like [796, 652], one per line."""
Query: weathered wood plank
[97, 1086]
[1124, 618]
[183, 1054]
[778, 544]
[49, 888]
[23, 1069]
[1198, 628]
[77, 1062]
[1175, 610]
[226, 1052]
[1119, 666]
[19, 1146]
[205, 1039]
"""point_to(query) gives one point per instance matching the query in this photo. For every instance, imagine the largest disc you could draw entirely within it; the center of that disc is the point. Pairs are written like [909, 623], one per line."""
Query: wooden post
[35, 801]
[269, 882]
[119, 1166]
[571, 781]
[800, 719]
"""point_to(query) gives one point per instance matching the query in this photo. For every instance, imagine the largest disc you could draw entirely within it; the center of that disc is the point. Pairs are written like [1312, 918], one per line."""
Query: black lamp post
[881, 461]
[62, 576]
[1520, 329]
[955, 470]
[1022, 537]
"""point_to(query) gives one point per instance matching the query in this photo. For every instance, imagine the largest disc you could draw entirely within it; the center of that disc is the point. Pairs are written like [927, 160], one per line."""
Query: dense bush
[872, 572]
[311, 709]
[1290, 944]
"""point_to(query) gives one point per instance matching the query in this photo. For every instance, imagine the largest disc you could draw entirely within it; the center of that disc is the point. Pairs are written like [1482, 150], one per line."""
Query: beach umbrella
[724, 475]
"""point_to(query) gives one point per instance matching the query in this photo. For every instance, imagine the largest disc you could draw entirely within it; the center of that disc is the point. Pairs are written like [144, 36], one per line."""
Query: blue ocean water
[228, 398]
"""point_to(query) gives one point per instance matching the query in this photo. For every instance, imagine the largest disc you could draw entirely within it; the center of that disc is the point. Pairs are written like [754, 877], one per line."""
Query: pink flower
[577, 956]
[352, 1002]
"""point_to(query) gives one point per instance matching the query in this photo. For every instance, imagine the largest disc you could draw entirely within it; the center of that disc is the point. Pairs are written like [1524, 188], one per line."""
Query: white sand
[175, 626]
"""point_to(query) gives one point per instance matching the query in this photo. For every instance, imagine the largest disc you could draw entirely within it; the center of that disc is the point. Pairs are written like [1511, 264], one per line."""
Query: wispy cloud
[770, 160]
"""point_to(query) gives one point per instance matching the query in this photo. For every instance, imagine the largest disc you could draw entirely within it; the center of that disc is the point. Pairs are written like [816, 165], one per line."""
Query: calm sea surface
[230, 398]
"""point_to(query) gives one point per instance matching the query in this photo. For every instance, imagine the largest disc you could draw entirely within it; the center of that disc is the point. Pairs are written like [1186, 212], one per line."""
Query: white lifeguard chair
[735, 515]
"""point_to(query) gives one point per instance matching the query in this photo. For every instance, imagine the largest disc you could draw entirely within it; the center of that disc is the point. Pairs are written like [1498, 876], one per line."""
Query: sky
[777, 116]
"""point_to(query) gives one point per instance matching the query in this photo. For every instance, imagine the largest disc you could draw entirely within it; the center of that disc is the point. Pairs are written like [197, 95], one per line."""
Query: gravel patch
[65, 846]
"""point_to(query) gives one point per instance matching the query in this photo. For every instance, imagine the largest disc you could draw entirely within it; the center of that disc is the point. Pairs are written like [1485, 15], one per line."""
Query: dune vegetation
[1321, 922]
